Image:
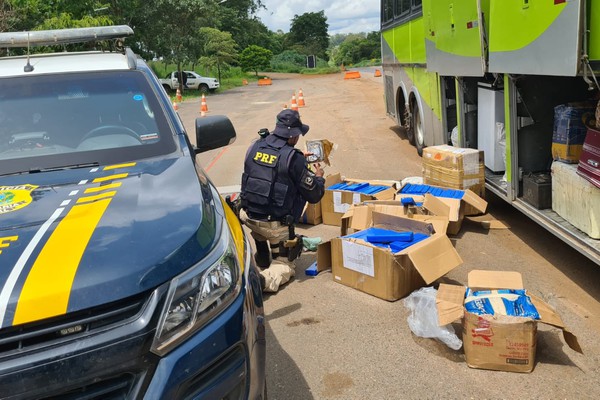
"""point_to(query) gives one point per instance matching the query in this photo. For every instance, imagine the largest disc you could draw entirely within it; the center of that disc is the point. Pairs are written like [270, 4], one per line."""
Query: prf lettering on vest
[5, 241]
[265, 158]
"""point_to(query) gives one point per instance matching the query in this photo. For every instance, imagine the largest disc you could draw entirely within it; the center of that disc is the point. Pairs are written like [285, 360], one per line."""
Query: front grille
[59, 330]
[117, 388]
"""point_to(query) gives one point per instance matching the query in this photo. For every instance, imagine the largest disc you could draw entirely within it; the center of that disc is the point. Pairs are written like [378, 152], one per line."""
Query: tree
[255, 58]
[218, 48]
[308, 32]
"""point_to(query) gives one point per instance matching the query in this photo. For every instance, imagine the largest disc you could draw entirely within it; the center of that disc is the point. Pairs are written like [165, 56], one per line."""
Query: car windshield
[49, 121]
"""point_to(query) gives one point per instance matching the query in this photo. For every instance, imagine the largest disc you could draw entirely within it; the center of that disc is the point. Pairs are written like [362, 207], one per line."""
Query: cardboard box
[454, 209]
[576, 199]
[312, 214]
[360, 217]
[376, 271]
[454, 167]
[497, 342]
[336, 202]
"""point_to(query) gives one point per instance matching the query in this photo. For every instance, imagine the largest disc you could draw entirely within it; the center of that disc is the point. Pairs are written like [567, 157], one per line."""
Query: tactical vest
[266, 187]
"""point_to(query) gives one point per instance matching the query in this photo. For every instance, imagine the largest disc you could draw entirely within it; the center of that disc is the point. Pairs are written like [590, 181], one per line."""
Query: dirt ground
[328, 341]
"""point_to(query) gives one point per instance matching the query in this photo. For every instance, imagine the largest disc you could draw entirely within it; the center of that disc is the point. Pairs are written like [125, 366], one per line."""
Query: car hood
[78, 238]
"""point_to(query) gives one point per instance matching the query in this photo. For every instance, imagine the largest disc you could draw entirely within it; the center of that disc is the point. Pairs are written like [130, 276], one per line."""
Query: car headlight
[199, 294]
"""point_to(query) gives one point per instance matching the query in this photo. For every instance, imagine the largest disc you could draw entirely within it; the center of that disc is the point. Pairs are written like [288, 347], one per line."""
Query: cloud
[342, 16]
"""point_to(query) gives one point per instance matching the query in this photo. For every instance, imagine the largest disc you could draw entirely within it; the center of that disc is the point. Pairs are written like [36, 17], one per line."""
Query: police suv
[123, 273]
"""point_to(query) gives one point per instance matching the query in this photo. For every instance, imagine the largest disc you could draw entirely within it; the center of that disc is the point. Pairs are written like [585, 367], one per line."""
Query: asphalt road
[328, 341]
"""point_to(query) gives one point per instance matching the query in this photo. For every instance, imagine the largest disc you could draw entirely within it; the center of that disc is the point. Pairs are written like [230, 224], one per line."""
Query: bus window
[402, 7]
[387, 10]
[416, 3]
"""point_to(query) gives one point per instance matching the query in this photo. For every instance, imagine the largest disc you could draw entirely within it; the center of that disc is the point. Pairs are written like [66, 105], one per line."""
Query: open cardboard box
[312, 214]
[336, 202]
[360, 216]
[455, 209]
[379, 272]
[497, 342]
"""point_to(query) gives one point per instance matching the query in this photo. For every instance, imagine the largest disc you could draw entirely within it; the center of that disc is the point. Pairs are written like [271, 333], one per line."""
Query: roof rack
[63, 36]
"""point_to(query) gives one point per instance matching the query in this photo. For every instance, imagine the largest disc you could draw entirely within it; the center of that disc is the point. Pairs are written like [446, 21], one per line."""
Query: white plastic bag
[423, 318]
[454, 137]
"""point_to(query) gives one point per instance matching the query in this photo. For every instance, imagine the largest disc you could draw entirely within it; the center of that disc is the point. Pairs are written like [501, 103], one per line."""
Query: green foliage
[308, 34]
[255, 58]
[288, 61]
[356, 47]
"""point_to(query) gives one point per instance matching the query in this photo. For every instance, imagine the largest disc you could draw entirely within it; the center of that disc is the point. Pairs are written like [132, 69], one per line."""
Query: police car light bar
[63, 36]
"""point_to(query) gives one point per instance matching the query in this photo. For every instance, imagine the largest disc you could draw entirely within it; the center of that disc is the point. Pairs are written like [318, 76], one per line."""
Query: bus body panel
[454, 38]
[535, 37]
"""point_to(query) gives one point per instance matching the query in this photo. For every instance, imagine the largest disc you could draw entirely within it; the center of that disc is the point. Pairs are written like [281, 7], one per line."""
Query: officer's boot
[263, 254]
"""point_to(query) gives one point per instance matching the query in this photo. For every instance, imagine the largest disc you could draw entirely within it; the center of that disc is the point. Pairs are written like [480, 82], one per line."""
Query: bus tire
[410, 126]
[417, 129]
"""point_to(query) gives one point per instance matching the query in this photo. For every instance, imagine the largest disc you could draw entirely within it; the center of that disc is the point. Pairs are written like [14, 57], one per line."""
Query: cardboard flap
[474, 200]
[440, 224]
[549, 316]
[388, 221]
[436, 206]
[453, 207]
[332, 179]
[434, 257]
[450, 303]
[361, 218]
[495, 279]
[324, 256]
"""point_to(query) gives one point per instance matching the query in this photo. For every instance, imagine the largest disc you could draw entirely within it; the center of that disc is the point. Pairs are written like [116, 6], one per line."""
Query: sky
[343, 16]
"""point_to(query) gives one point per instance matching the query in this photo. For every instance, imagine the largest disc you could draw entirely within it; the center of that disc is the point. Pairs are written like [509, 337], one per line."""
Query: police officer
[276, 184]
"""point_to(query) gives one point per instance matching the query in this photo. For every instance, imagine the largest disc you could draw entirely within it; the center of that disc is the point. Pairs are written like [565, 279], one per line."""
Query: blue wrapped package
[435, 191]
[395, 246]
[391, 237]
[511, 302]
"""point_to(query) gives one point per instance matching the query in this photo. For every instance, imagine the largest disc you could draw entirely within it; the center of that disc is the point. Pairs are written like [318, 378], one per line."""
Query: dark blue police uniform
[276, 181]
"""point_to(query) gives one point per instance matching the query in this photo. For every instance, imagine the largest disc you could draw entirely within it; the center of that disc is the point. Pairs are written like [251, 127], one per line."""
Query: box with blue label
[499, 320]
[340, 195]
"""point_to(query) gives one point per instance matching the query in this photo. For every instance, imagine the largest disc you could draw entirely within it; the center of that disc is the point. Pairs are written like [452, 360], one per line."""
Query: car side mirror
[213, 132]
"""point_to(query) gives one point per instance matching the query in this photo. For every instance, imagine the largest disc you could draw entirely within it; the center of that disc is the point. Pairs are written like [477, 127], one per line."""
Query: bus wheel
[410, 126]
[417, 129]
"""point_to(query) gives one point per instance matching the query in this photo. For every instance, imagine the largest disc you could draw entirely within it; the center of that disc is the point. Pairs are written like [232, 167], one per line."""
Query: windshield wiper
[70, 166]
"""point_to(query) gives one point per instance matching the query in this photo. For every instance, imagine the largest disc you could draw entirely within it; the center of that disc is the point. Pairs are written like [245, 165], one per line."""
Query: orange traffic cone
[244, 82]
[175, 106]
[179, 98]
[294, 104]
[377, 73]
[203, 106]
[301, 102]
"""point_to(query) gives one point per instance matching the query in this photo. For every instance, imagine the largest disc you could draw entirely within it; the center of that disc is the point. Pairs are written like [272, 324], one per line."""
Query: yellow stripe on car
[116, 166]
[236, 232]
[103, 188]
[110, 178]
[96, 197]
[48, 286]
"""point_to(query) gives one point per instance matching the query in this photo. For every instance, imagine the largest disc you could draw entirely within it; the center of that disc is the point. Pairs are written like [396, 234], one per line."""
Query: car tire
[203, 88]
[167, 88]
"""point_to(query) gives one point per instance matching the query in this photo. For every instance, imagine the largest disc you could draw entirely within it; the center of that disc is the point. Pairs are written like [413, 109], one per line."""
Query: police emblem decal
[13, 198]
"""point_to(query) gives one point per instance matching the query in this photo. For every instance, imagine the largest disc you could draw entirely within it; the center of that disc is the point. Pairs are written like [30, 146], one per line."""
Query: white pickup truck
[194, 81]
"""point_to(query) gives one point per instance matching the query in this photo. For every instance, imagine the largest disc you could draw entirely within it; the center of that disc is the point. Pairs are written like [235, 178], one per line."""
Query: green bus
[488, 74]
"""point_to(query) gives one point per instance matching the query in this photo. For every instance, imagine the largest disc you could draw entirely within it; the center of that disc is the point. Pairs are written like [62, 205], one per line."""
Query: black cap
[289, 124]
